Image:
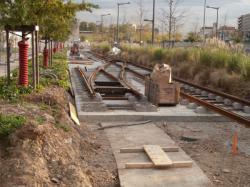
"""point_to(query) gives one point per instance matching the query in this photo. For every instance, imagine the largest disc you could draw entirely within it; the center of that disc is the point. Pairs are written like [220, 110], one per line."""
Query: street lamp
[204, 21]
[153, 23]
[103, 15]
[217, 19]
[98, 26]
[118, 13]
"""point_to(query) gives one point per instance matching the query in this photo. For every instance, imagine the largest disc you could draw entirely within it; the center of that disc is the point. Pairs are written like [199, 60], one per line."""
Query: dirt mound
[52, 151]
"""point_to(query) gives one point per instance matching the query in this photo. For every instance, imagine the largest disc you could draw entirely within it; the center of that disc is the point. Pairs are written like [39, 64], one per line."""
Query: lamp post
[103, 15]
[204, 21]
[118, 14]
[153, 23]
[98, 26]
[217, 18]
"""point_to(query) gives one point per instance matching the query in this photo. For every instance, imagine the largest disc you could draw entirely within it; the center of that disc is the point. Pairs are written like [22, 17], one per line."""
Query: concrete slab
[149, 134]
[178, 113]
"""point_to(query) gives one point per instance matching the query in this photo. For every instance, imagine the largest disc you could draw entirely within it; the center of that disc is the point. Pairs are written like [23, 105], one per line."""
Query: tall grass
[213, 58]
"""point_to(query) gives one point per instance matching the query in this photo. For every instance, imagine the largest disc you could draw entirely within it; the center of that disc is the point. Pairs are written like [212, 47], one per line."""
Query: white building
[244, 26]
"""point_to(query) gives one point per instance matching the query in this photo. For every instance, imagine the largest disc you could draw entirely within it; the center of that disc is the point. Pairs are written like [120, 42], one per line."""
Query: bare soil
[50, 150]
[209, 144]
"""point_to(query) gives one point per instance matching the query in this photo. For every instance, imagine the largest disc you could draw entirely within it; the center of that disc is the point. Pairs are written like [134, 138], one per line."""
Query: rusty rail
[85, 80]
[235, 117]
[232, 115]
[226, 96]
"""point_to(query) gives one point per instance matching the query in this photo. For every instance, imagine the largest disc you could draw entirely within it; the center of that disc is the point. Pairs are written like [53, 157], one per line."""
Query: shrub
[158, 54]
[9, 124]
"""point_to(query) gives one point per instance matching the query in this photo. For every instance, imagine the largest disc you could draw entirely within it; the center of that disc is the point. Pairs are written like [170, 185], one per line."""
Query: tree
[173, 17]
[140, 4]
[54, 17]
[193, 37]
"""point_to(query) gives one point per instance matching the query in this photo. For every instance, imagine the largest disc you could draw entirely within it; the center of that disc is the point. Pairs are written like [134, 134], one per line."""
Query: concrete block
[219, 99]
[144, 99]
[197, 91]
[204, 93]
[237, 106]
[184, 102]
[145, 107]
[201, 110]
[186, 87]
[211, 96]
[246, 109]
[132, 98]
[127, 95]
[191, 89]
[228, 102]
[192, 106]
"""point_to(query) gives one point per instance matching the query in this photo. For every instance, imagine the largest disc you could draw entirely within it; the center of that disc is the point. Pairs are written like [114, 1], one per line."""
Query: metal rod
[153, 23]
[33, 61]
[204, 21]
[117, 26]
[8, 57]
[37, 58]
[217, 23]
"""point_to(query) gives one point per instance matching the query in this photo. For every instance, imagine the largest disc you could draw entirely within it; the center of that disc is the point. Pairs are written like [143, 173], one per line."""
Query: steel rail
[92, 77]
[84, 77]
[226, 96]
[122, 77]
[139, 75]
[233, 116]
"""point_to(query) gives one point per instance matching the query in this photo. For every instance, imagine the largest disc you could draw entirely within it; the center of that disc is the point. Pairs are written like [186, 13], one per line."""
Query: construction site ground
[50, 150]
[210, 146]
[205, 138]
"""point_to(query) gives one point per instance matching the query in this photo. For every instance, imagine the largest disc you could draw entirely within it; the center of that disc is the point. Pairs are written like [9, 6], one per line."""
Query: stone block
[192, 106]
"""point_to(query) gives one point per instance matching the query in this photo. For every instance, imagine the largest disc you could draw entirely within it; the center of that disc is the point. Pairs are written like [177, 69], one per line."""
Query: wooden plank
[182, 164]
[73, 113]
[141, 149]
[142, 165]
[150, 165]
[157, 155]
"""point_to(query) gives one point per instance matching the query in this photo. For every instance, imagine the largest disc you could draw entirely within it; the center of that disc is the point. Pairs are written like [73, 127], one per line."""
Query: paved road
[3, 68]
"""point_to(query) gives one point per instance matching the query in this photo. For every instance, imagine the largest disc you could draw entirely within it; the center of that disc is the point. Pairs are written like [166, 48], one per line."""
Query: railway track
[115, 86]
[227, 105]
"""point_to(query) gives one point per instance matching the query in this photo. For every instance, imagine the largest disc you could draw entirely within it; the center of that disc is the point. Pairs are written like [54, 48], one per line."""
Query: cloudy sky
[229, 12]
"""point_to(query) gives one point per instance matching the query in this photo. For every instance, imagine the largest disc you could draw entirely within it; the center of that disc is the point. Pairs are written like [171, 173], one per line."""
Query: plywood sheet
[157, 156]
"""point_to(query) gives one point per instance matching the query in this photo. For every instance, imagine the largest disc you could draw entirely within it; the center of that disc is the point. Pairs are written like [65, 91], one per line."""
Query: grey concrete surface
[149, 134]
[3, 68]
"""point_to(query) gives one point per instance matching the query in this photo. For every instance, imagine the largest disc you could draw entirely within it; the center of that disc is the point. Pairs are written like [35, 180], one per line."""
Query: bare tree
[175, 17]
[140, 4]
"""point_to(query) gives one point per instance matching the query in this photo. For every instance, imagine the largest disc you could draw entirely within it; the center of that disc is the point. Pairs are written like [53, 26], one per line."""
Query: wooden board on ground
[150, 165]
[157, 155]
[73, 113]
[141, 149]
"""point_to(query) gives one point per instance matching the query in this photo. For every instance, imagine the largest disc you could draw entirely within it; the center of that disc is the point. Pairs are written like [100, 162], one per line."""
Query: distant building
[208, 32]
[244, 26]
[226, 33]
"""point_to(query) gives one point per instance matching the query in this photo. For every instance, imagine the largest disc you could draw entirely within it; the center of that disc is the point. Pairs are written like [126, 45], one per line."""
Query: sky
[229, 12]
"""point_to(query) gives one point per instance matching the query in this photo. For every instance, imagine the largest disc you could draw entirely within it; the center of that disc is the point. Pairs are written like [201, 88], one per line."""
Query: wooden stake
[235, 144]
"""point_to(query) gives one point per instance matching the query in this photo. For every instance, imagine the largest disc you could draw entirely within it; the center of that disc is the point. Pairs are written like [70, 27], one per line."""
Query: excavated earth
[50, 150]
[209, 144]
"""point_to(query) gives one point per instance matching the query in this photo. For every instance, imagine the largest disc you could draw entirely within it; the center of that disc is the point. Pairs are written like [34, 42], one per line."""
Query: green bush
[9, 124]
[158, 54]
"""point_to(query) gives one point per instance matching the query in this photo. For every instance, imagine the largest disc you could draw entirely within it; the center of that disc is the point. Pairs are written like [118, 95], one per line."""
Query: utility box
[159, 88]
